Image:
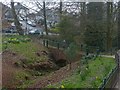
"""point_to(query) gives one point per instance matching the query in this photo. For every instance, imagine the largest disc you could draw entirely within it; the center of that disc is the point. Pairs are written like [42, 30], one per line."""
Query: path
[56, 76]
[113, 56]
[118, 83]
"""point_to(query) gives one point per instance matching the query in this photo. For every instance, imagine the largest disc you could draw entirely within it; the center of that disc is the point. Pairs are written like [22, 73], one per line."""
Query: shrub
[71, 52]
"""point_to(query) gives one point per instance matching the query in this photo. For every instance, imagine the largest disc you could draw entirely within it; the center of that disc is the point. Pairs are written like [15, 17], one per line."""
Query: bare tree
[60, 6]
[16, 21]
[44, 13]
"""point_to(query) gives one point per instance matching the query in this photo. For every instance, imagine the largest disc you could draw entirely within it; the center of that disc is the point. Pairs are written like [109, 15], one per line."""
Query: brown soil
[58, 54]
[56, 76]
[47, 65]
[60, 74]
[9, 69]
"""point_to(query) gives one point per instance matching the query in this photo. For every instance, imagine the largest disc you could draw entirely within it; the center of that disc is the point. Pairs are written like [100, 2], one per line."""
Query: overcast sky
[29, 3]
[58, 0]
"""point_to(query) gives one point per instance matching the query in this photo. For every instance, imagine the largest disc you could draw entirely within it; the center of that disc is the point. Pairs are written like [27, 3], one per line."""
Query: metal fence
[56, 44]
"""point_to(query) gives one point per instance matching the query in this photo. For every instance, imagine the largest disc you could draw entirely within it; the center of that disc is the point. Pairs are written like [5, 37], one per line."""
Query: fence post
[104, 81]
[47, 43]
[43, 42]
[58, 45]
[117, 57]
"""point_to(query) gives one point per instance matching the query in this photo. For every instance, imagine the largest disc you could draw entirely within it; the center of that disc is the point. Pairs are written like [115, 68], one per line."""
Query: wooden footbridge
[113, 79]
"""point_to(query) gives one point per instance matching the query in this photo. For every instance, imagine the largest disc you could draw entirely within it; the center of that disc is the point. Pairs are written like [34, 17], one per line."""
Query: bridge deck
[118, 83]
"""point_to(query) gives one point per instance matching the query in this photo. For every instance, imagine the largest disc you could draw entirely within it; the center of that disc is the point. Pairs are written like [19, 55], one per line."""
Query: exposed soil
[8, 68]
[60, 74]
[58, 57]
[47, 65]
[56, 76]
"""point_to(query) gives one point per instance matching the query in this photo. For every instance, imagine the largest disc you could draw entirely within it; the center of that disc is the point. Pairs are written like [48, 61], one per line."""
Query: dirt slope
[56, 76]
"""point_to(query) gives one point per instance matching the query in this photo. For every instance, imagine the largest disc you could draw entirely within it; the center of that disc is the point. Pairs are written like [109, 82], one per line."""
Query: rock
[38, 54]
[14, 54]
[24, 66]
[44, 52]
[23, 60]
[17, 64]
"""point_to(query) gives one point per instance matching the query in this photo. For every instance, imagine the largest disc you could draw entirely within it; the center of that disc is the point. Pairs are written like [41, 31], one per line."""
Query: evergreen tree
[94, 35]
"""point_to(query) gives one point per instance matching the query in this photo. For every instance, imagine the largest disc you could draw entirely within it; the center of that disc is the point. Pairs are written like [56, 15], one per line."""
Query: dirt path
[56, 76]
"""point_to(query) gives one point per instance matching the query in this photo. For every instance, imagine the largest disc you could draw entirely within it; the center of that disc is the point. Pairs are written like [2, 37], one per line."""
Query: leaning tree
[16, 21]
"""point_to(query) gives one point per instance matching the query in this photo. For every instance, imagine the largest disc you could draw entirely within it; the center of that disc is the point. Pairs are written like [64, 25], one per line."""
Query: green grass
[26, 49]
[88, 78]
[20, 80]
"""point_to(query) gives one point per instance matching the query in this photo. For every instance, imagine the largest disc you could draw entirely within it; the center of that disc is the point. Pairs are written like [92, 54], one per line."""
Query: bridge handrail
[109, 77]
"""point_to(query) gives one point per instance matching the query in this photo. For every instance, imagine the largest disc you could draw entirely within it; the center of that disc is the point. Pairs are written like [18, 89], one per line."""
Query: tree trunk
[16, 21]
[83, 20]
[119, 25]
[45, 22]
[109, 24]
[60, 7]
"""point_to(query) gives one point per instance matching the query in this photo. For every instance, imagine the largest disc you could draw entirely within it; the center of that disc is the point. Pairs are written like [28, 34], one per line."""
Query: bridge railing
[111, 79]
